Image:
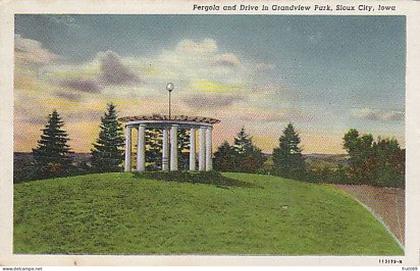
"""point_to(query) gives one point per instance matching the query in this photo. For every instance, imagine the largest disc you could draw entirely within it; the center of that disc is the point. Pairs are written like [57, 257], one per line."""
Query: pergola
[170, 126]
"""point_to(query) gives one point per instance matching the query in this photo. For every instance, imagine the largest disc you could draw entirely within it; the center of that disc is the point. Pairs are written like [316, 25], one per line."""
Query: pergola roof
[176, 118]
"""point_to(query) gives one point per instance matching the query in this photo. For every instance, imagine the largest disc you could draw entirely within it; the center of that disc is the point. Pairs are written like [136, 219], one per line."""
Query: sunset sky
[325, 74]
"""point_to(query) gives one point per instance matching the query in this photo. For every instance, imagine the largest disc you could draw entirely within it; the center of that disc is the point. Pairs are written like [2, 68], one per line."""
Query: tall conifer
[52, 155]
[247, 156]
[183, 148]
[108, 151]
[153, 141]
[287, 158]
[224, 157]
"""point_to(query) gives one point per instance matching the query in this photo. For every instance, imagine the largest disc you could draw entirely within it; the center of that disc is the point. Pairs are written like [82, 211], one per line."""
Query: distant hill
[336, 159]
[25, 158]
[23, 168]
[340, 159]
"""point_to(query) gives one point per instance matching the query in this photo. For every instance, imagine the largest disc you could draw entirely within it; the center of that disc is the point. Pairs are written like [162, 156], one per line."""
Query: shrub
[195, 177]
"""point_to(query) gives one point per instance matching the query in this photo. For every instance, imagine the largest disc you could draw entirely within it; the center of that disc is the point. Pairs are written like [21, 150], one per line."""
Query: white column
[140, 148]
[192, 149]
[201, 149]
[209, 151]
[174, 148]
[127, 162]
[165, 149]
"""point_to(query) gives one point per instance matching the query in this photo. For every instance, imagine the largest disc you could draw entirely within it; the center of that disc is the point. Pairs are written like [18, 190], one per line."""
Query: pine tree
[153, 146]
[183, 148]
[247, 157]
[52, 155]
[223, 157]
[287, 158]
[242, 142]
[108, 151]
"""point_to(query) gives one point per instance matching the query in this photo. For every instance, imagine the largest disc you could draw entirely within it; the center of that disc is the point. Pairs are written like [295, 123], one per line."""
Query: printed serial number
[390, 261]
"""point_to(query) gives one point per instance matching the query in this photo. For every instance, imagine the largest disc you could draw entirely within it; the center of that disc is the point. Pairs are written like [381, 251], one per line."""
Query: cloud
[69, 95]
[227, 60]
[377, 115]
[207, 46]
[113, 71]
[31, 51]
[194, 66]
[273, 95]
[263, 116]
[395, 116]
[30, 114]
[85, 115]
[31, 119]
[284, 115]
[213, 101]
[213, 87]
[264, 67]
[107, 69]
[83, 85]
[270, 89]
[203, 60]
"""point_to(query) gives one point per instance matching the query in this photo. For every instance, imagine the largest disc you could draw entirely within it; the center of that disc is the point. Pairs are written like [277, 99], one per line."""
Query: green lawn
[125, 214]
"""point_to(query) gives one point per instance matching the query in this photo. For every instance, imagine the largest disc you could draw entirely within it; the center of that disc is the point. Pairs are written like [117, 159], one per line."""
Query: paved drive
[387, 203]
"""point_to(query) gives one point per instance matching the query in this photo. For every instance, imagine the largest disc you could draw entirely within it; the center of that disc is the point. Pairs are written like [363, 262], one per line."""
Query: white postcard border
[410, 9]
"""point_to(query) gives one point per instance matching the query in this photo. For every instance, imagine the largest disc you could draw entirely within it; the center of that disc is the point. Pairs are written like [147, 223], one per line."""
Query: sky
[325, 74]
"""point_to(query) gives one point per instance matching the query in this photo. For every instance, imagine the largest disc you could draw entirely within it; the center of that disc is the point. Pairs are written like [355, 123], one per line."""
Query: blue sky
[325, 74]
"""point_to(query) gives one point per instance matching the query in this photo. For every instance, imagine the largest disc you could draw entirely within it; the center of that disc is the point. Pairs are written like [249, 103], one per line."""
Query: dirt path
[387, 203]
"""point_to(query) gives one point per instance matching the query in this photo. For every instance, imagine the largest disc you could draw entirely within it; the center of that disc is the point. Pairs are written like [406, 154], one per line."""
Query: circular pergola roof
[176, 119]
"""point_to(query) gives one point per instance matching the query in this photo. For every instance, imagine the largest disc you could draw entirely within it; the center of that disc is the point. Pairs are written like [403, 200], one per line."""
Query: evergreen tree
[247, 157]
[242, 142]
[52, 155]
[183, 148]
[108, 151]
[287, 158]
[153, 146]
[223, 157]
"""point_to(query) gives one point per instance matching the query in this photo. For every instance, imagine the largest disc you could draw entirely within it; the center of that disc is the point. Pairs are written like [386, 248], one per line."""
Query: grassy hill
[252, 214]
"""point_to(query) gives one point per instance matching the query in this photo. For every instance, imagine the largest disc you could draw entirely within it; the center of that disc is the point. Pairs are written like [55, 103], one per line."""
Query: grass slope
[127, 214]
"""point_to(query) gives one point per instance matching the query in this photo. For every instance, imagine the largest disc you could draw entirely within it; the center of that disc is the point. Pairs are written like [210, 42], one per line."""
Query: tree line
[53, 157]
[378, 162]
[375, 162]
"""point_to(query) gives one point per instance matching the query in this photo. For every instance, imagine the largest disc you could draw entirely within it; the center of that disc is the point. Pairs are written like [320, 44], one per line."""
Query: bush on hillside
[195, 177]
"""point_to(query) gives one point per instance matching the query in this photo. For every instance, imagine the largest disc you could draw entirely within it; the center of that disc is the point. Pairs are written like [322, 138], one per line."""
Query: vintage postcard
[150, 133]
